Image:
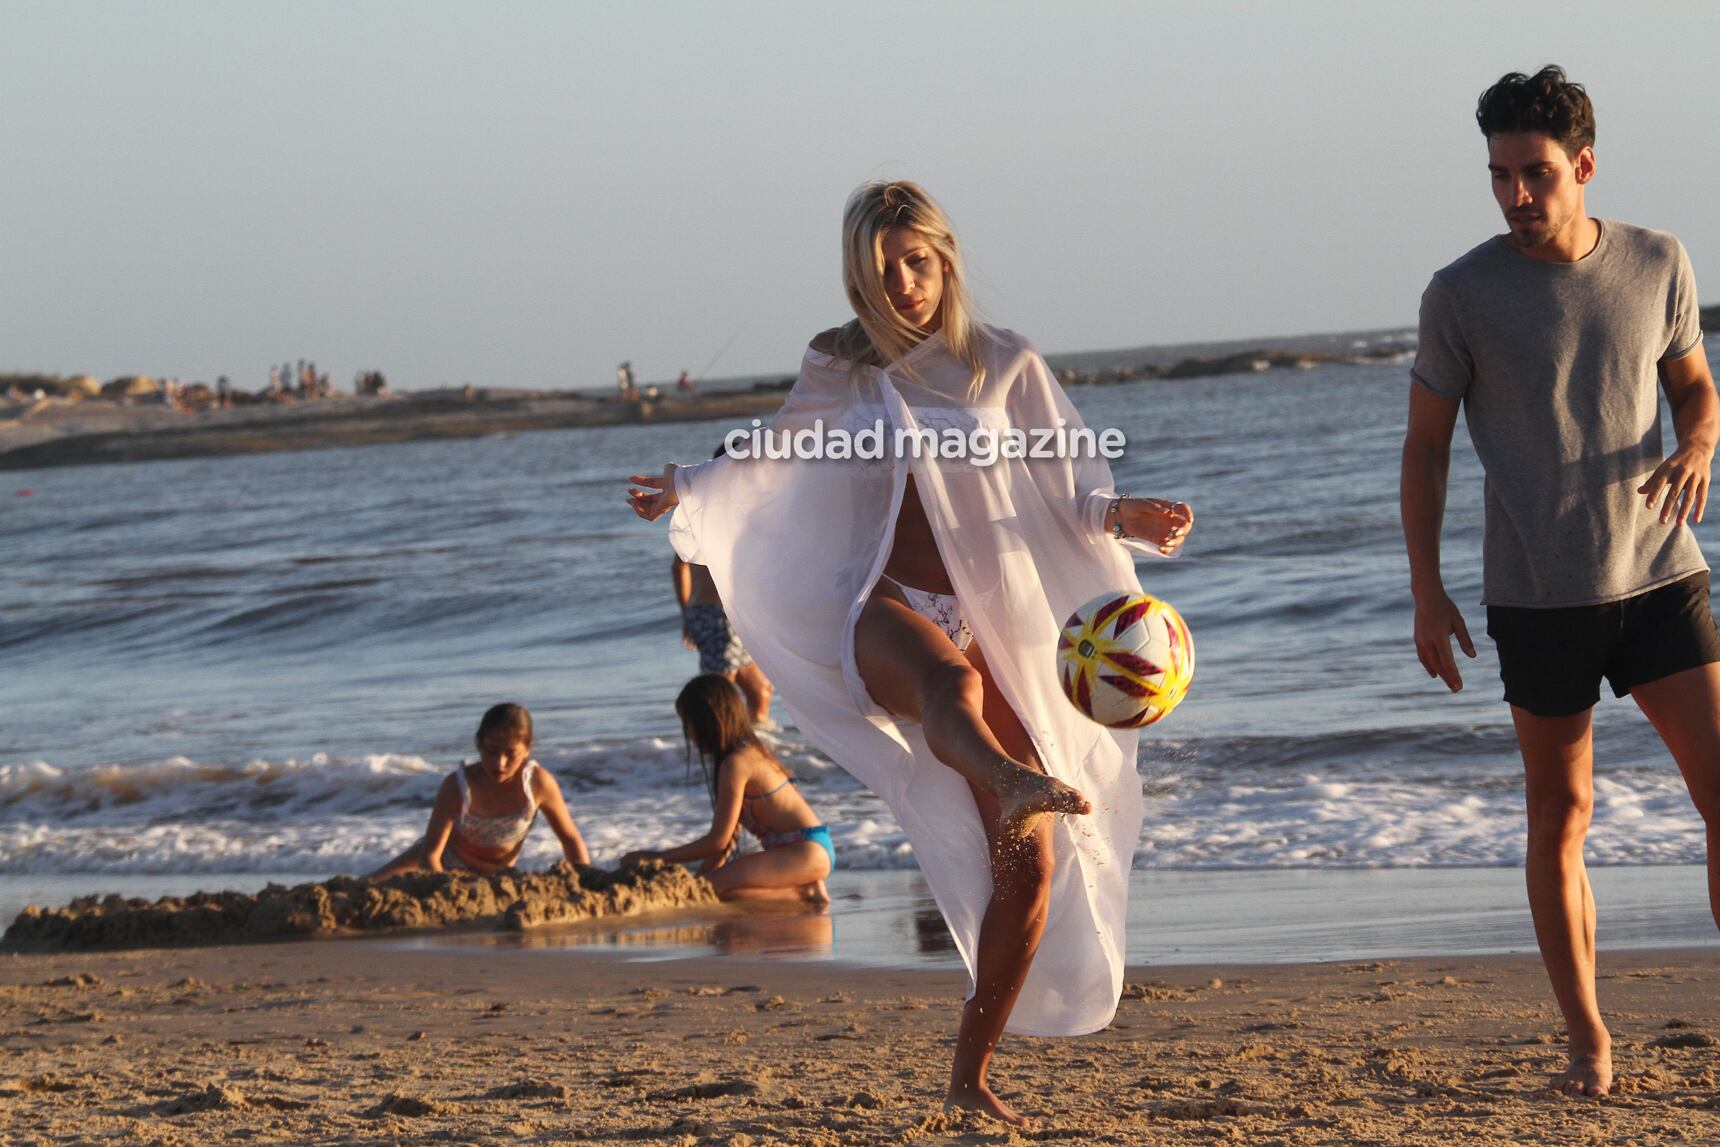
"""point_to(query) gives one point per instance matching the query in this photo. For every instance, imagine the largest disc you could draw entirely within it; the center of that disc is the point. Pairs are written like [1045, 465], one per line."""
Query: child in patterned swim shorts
[705, 627]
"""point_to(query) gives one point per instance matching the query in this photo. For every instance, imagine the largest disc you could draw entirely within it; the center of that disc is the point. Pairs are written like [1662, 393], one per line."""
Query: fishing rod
[706, 369]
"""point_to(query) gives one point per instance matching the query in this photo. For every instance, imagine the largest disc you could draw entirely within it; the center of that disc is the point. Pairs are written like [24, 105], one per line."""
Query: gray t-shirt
[1556, 366]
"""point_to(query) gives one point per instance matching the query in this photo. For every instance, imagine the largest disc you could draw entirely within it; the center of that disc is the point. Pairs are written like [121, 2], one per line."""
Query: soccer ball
[1125, 660]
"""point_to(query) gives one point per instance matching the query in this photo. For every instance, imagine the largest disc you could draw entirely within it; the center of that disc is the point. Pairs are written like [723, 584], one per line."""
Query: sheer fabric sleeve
[1039, 400]
[821, 392]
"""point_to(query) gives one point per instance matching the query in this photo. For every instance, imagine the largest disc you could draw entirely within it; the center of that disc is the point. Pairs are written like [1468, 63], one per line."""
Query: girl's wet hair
[507, 718]
[716, 721]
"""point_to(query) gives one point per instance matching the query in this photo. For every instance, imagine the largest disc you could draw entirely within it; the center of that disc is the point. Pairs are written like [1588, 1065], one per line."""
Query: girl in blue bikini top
[750, 790]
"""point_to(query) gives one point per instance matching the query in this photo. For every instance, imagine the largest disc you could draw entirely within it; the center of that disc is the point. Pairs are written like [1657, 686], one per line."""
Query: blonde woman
[908, 608]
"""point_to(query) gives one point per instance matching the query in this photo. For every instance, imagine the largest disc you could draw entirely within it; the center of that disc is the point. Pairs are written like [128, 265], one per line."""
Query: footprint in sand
[709, 1090]
[1684, 1041]
[395, 1103]
[529, 1089]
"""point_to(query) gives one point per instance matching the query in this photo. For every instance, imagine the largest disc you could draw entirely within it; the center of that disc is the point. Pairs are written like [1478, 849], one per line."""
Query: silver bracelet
[1117, 530]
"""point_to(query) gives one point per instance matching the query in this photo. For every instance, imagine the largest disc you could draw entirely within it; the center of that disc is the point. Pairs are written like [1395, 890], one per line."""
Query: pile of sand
[511, 900]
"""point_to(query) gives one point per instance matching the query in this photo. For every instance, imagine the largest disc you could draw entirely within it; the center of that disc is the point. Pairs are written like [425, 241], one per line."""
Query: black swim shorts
[1553, 660]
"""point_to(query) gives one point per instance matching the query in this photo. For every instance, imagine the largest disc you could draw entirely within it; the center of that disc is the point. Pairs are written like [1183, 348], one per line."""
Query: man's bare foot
[1034, 794]
[1587, 1075]
[815, 893]
[970, 1097]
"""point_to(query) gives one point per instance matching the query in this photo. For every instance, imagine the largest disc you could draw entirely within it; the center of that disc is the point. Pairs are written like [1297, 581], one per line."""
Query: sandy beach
[359, 1041]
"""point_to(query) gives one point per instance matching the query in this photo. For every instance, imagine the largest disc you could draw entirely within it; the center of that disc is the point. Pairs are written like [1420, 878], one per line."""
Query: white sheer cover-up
[794, 547]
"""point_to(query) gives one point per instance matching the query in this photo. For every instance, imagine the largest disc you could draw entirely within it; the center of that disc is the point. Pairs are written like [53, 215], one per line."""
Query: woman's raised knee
[951, 685]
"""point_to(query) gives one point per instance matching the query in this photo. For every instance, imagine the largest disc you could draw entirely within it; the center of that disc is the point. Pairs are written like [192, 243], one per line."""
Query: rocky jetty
[65, 420]
[1253, 361]
[56, 430]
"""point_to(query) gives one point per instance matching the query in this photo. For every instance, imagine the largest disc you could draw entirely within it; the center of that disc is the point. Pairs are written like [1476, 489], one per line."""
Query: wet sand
[351, 1041]
[889, 919]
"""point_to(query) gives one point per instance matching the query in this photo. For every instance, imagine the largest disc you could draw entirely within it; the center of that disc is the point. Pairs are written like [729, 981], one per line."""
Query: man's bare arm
[1683, 478]
[1421, 496]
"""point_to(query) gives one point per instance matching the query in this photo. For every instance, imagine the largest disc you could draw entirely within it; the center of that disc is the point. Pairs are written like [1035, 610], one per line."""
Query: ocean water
[266, 664]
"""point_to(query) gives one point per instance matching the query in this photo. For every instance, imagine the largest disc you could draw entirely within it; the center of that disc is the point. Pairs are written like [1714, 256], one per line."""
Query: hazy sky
[527, 193]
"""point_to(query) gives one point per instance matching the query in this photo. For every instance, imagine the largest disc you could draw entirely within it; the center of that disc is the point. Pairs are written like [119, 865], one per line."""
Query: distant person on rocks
[1551, 339]
[484, 811]
[370, 382]
[705, 627]
[686, 385]
[625, 388]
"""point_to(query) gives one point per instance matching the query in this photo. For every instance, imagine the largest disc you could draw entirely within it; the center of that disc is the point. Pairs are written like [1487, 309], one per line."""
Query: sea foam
[1204, 809]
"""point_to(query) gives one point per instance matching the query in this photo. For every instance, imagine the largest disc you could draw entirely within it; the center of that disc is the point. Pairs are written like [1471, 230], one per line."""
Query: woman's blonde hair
[879, 335]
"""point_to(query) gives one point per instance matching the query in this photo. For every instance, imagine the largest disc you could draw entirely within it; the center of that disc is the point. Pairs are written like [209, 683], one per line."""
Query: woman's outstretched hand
[1157, 522]
[658, 498]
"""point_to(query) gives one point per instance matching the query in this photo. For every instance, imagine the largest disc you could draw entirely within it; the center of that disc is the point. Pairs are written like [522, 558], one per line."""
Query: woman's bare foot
[1589, 1075]
[815, 893]
[980, 1098]
[1033, 794]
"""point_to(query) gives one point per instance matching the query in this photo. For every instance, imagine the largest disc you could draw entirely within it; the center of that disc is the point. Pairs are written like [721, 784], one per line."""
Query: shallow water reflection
[792, 931]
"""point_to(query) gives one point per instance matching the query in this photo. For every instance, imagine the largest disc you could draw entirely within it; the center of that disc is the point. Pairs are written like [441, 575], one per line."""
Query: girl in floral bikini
[484, 811]
[750, 790]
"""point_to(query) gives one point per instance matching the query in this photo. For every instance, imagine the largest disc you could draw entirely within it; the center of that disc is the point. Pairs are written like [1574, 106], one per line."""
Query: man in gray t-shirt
[1556, 340]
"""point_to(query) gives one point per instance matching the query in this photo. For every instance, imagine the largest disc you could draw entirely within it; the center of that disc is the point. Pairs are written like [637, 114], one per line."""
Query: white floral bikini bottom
[943, 610]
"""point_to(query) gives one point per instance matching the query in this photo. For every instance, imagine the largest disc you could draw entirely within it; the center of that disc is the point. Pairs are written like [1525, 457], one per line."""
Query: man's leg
[1558, 764]
[1685, 710]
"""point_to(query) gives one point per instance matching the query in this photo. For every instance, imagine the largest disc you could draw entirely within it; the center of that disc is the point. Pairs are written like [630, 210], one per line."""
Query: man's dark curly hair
[1545, 102]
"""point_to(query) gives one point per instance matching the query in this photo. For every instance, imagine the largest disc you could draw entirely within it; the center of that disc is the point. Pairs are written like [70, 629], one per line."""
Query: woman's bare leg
[1014, 921]
[911, 669]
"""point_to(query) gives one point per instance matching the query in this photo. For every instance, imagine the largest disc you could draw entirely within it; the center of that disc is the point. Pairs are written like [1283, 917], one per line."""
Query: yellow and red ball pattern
[1125, 660]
